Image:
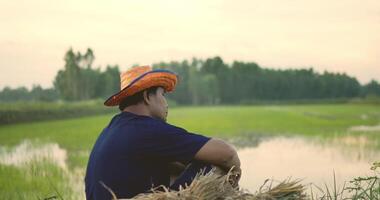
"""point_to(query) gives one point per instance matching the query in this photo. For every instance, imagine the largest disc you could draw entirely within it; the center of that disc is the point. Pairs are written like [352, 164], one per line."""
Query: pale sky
[333, 35]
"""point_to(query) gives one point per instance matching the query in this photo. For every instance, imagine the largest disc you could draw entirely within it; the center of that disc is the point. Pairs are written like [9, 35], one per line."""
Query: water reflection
[27, 152]
[280, 158]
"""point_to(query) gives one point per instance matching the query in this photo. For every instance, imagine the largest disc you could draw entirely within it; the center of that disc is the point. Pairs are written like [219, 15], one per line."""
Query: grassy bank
[20, 112]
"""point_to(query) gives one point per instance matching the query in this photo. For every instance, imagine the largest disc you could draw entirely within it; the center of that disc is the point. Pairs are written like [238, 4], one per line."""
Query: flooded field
[310, 160]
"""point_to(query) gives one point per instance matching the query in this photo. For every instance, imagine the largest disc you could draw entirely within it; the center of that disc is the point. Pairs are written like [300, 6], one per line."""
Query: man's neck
[139, 109]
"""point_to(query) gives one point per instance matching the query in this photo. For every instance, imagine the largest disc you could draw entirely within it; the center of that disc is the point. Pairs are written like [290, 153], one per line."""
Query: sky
[334, 35]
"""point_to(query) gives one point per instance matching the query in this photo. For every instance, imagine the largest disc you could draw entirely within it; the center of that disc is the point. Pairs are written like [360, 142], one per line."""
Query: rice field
[47, 159]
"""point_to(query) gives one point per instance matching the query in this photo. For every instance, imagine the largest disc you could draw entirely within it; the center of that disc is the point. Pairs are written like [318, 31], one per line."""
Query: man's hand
[234, 177]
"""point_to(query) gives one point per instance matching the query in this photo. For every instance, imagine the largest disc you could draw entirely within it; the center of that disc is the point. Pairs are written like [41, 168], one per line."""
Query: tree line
[201, 82]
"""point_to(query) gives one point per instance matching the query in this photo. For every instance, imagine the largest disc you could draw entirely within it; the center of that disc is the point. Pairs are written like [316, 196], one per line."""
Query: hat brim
[163, 78]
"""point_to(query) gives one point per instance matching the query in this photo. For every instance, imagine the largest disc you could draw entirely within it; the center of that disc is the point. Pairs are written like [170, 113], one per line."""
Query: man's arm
[221, 154]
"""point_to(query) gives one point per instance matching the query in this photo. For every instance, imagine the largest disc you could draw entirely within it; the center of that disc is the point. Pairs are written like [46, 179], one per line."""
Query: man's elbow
[219, 153]
[231, 158]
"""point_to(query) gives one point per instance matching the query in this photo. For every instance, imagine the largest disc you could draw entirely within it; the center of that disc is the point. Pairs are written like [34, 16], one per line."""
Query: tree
[67, 81]
[109, 82]
[77, 81]
[372, 88]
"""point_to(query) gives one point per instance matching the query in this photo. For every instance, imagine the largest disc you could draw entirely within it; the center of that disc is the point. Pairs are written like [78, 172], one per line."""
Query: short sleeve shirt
[131, 155]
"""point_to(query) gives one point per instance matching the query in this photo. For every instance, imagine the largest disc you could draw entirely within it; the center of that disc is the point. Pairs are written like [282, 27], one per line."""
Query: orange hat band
[146, 73]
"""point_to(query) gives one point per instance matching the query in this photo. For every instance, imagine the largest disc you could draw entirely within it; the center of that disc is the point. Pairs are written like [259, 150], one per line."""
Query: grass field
[75, 137]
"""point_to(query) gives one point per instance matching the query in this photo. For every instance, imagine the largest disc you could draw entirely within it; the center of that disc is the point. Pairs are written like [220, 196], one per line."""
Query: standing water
[311, 161]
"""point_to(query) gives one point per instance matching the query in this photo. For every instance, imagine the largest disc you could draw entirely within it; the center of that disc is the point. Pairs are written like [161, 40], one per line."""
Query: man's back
[132, 154]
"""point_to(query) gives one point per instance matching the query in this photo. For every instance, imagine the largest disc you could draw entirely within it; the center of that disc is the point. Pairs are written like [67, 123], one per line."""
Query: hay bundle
[213, 186]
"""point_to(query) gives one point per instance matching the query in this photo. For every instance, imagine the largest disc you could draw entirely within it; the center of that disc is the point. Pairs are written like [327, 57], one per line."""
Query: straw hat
[141, 78]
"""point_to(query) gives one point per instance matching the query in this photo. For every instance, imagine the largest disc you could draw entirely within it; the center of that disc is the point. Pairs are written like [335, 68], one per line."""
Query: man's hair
[136, 98]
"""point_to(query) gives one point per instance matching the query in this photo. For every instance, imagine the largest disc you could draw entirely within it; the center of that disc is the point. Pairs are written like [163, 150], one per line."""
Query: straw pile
[213, 186]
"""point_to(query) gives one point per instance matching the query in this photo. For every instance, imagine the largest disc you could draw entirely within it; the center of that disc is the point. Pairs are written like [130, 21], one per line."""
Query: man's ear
[146, 97]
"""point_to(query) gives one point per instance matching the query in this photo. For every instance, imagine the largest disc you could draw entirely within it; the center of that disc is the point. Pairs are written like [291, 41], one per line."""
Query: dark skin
[216, 151]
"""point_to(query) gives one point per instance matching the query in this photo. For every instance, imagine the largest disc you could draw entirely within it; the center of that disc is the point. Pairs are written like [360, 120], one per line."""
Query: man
[138, 149]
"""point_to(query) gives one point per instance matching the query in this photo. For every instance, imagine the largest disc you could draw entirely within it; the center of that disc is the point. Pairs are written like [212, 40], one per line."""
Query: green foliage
[78, 81]
[201, 82]
[212, 82]
[371, 89]
[359, 188]
[37, 93]
[366, 187]
[37, 180]
[108, 82]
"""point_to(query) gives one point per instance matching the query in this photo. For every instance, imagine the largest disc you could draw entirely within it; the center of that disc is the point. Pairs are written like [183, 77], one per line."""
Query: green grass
[303, 120]
[78, 135]
[16, 183]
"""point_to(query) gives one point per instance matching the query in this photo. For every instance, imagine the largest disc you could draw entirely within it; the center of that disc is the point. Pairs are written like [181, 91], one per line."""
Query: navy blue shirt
[132, 153]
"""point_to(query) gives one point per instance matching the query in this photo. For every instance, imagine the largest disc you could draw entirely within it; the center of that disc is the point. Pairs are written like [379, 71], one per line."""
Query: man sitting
[137, 150]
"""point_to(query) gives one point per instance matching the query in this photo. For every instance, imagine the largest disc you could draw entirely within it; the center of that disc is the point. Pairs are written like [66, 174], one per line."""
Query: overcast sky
[333, 35]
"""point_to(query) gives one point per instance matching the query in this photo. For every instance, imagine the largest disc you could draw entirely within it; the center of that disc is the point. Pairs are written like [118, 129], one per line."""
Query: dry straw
[214, 186]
